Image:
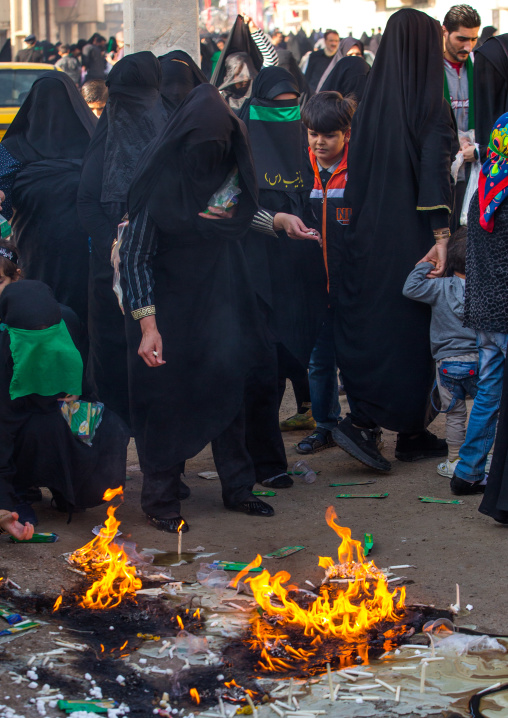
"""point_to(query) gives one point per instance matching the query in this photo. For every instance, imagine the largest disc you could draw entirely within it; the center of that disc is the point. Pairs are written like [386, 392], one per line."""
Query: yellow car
[16, 80]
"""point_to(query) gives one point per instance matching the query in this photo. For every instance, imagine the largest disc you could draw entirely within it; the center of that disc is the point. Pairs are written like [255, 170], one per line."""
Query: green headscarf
[46, 361]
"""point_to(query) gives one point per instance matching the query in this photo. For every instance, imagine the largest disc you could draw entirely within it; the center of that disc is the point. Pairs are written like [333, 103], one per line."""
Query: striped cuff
[143, 312]
[263, 222]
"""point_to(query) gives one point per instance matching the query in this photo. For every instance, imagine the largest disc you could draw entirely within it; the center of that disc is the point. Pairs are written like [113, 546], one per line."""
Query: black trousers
[160, 495]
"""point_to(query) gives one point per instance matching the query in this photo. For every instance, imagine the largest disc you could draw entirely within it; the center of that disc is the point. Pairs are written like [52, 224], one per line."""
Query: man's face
[277, 38]
[460, 43]
[97, 107]
[332, 43]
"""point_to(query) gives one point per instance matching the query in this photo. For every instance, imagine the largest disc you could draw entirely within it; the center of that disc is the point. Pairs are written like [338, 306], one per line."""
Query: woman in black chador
[288, 275]
[39, 365]
[40, 163]
[193, 331]
[400, 192]
[349, 77]
[490, 87]
[130, 121]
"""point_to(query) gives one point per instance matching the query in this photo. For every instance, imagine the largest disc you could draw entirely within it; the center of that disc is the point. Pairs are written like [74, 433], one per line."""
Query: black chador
[129, 122]
[399, 190]
[349, 77]
[49, 137]
[288, 275]
[192, 272]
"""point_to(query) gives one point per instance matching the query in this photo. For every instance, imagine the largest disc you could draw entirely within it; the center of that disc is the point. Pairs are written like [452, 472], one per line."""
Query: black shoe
[169, 525]
[423, 446]
[318, 441]
[184, 491]
[282, 481]
[253, 507]
[361, 444]
[26, 513]
[460, 487]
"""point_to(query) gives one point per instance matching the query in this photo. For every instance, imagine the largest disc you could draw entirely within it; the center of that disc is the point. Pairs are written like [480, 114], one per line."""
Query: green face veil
[45, 359]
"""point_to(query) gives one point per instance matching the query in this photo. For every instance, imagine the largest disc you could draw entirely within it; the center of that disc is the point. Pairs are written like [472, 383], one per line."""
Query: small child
[9, 270]
[453, 346]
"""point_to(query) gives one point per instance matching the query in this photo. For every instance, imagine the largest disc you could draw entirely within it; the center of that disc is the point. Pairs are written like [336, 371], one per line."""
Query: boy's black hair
[461, 16]
[456, 254]
[328, 112]
[8, 267]
[94, 91]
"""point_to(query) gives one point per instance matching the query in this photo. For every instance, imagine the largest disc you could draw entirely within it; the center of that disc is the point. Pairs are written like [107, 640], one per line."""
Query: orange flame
[347, 615]
[57, 604]
[195, 696]
[101, 556]
[196, 613]
[178, 531]
[180, 622]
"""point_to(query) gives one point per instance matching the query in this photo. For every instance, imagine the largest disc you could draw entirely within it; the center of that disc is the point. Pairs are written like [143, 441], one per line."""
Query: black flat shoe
[424, 445]
[460, 487]
[282, 481]
[253, 507]
[168, 525]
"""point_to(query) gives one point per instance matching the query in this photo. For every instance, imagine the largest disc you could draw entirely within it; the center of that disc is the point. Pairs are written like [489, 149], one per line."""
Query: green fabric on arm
[46, 362]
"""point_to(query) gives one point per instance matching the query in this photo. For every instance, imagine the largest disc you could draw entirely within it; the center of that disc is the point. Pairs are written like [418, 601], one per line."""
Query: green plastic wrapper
[83, 418]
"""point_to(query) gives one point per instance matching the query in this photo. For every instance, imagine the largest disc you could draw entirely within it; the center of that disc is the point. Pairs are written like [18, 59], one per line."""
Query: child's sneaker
[299, 422]
[447, 468]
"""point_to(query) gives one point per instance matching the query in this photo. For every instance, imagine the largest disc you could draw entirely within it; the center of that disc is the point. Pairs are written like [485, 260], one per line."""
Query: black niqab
[180, 75]
[132, 120]
[54, 122]
[349, 77]
[347, 43]
[399, 174]
[29, 304]
[288, 62]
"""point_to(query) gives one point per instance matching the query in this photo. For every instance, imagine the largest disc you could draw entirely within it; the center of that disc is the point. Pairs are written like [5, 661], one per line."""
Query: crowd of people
[280, 213]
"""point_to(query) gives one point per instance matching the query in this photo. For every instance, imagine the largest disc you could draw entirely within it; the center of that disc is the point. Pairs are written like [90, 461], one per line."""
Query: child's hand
[9, 522]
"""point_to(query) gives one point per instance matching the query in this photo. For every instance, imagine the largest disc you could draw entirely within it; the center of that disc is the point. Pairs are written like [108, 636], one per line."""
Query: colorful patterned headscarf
[493, 183]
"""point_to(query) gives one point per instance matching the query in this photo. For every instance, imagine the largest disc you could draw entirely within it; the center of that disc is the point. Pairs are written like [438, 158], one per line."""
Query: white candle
[422, 677]
[330, 683]
[180, 541]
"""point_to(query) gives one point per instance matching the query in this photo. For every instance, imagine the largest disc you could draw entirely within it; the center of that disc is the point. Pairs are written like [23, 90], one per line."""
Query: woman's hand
[150, 349]
[250, 22]
[9, 522]
[69, 398]
[218, 213]
[437, 256]
[294, 227]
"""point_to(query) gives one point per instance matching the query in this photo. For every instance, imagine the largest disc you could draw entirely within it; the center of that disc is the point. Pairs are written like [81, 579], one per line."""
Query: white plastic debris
[120, 679]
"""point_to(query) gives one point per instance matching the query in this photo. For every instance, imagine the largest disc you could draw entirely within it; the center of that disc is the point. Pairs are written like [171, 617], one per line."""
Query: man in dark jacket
[320, 59]
[31, 52]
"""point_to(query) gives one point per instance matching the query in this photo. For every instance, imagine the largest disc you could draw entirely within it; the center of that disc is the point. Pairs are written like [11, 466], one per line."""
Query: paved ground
[448, 544]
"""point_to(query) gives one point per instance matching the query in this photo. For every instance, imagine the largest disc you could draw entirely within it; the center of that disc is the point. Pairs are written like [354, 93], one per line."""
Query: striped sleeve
[263, 222]
[266, 48]
[137, 253]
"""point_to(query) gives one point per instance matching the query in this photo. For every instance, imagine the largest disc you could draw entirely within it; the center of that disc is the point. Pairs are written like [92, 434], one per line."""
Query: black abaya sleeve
[435, 187]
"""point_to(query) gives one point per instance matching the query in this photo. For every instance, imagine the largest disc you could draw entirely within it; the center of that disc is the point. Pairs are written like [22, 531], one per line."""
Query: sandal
[318, 441]
[169, 525]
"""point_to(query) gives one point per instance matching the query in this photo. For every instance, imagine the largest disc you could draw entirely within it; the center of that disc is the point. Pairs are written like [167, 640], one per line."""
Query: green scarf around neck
[469, 70]
[46, 361]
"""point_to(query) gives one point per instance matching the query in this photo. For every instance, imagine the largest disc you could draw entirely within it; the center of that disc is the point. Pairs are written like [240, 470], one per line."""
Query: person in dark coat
[41, 157]
[194, 331]
[41, 369]
[490, 88]
[320, 59]
[399, 188]
[131, 120]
